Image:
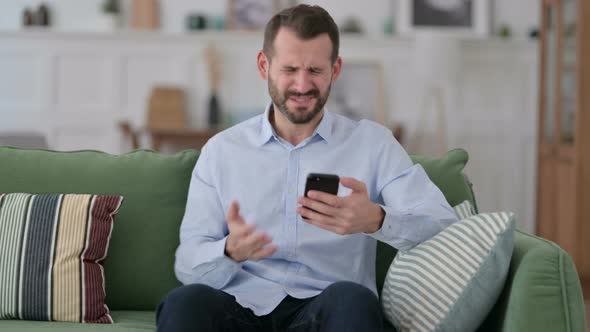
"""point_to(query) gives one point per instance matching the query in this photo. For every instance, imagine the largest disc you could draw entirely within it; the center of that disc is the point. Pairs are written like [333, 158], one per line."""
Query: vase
[107, 22]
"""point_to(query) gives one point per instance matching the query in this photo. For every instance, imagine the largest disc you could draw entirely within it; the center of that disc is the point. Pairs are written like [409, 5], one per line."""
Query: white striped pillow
[464, 210]
[451, 281]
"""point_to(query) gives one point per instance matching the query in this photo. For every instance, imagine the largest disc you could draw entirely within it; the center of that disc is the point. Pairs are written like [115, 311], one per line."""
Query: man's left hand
[351, 214]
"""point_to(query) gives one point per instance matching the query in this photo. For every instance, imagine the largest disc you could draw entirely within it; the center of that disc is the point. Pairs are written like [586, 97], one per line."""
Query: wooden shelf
[228, 36]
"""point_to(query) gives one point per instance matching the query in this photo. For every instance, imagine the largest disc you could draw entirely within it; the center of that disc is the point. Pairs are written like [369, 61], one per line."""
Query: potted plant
[110, 18]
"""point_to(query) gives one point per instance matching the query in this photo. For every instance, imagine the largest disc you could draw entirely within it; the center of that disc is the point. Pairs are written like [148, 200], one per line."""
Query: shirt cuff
[221, 269]
[389, 231]
[385, 232]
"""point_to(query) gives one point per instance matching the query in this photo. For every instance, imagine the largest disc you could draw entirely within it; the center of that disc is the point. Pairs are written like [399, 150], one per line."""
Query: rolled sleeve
[216, 272]
[200, 257]
[405, 230]
[415, 210]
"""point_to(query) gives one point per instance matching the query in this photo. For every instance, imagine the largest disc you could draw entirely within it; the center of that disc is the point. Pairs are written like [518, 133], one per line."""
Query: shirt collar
[324, 128]
[266, 130]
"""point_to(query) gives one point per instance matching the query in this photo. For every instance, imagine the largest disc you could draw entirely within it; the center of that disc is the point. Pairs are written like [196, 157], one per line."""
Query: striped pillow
[451, 281]
[52, 249]
[464, 210]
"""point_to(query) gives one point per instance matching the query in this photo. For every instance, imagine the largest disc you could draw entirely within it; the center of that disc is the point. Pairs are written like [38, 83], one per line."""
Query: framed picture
[463, 17]
[359, 92]
[250, 14]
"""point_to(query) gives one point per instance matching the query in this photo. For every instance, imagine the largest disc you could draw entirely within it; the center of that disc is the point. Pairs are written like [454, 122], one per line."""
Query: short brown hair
[307, 22]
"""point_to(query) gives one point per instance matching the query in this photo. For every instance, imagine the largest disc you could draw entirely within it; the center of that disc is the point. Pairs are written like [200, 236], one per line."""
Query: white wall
[44, 85]
[521, 15]
[75, 87]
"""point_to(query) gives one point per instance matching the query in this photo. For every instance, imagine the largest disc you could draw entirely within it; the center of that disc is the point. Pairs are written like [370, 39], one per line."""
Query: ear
[336, 69]
[263, 65]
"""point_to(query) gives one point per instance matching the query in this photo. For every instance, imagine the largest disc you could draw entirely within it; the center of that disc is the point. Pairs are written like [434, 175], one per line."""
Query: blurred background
[501, 79]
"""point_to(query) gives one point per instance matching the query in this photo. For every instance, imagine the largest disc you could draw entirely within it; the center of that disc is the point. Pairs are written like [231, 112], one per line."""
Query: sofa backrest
[139, 268]
[140, 264]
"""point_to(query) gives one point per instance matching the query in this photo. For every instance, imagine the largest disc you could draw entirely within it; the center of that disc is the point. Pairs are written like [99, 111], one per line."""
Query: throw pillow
[447, 174]
[52, 249]
[451, 281]
[464, 210]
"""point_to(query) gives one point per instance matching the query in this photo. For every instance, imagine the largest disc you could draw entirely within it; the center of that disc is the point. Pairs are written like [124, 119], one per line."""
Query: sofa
[542, 291]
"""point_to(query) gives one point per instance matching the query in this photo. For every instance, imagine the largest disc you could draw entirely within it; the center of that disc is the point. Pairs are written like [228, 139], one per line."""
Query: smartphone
[327, 183]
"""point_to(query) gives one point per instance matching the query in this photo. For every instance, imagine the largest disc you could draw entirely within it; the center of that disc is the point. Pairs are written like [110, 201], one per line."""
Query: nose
[303, 82]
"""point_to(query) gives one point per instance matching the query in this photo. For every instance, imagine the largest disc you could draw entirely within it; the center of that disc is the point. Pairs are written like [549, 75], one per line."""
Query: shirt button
[291, 228]
[291, 191]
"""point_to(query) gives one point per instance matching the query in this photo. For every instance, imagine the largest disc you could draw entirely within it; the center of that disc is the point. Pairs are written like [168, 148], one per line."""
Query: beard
[298, 115]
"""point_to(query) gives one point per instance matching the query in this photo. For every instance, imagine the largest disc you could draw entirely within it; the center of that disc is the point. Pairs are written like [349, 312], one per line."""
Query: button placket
[291, 220]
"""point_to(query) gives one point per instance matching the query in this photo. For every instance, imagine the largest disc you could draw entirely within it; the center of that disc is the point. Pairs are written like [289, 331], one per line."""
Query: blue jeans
[343, 306]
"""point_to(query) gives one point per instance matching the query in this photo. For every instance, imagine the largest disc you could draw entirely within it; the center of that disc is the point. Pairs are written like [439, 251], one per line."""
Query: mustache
[310, 93]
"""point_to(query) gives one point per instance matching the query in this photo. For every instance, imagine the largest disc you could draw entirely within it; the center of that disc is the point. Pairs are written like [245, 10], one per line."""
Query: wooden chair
[129, 134]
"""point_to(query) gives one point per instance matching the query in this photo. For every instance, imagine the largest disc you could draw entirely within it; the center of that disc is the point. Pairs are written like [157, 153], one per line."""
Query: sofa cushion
[52, 247]
[451, 281]
[125, 321]
[140, 267]
[447, 174]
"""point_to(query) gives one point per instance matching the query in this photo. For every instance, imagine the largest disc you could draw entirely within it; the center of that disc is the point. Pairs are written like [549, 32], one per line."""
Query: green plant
[111, 6]
[505, 31]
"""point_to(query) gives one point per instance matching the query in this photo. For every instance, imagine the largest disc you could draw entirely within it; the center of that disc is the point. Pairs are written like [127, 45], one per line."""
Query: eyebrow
[314, 68]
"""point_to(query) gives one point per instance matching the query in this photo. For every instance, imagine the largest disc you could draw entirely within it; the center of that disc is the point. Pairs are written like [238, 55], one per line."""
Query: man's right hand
[243, 242]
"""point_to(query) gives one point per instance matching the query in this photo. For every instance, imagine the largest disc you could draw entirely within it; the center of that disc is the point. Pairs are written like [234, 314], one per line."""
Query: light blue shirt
[250, 163]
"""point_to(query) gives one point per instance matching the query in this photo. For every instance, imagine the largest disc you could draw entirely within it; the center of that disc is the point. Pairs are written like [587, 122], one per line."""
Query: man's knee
[348, 306]
[348, 291]
[193, 294]
[353, 297]
[188, 307]
[195, 297]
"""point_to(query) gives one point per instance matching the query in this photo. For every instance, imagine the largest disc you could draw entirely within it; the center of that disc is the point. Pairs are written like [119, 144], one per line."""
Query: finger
[334, 228]
[264, 252]
[325, 198]
[318, 206]
[233, 214]
[258, 245]
[353, 184]
[314, 217]
[253, 240]
[243, 231]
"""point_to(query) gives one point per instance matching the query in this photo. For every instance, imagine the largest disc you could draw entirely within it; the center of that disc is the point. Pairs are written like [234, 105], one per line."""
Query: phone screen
[322, 182]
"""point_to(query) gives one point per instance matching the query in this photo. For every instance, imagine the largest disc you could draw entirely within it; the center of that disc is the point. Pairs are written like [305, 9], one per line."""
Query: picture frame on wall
[250, 14]
[458, 17]
[359, 92]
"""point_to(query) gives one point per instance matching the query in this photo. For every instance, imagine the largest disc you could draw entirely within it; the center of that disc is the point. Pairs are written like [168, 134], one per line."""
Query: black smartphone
[322, 182]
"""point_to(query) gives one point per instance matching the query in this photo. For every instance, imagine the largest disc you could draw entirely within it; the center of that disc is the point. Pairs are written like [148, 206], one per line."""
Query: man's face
[300, 74]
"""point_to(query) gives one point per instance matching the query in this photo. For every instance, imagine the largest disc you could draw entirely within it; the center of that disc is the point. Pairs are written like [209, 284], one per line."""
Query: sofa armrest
[542, 291]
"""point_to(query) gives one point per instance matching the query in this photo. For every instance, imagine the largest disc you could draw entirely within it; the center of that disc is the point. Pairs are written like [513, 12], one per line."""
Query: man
[255, 255]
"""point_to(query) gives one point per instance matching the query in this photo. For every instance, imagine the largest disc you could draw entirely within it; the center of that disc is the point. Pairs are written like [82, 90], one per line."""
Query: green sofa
[542, 292]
